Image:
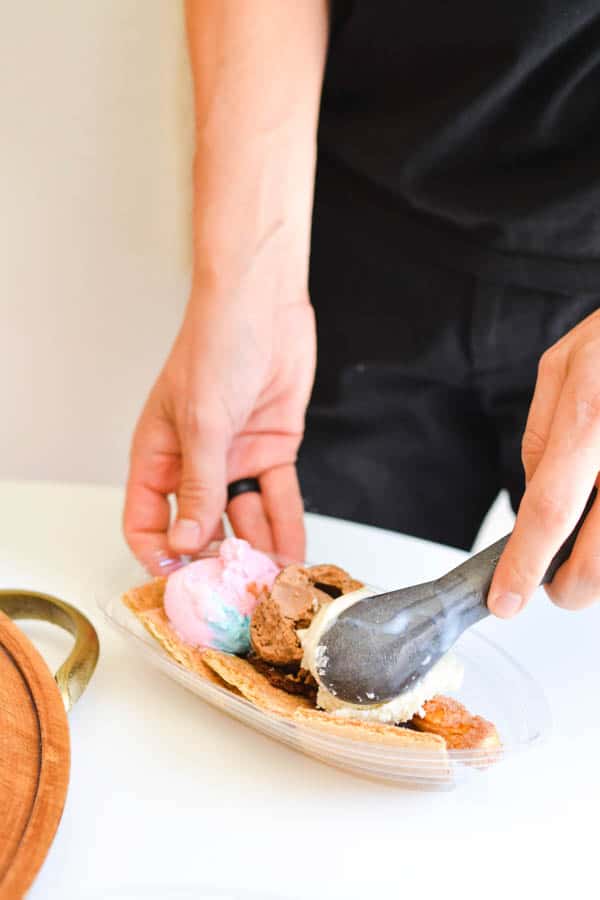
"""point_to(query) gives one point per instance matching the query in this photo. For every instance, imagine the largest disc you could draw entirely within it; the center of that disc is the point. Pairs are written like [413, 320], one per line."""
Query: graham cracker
[156, 623]
[147, 596]
[252, 685]
[371, 732]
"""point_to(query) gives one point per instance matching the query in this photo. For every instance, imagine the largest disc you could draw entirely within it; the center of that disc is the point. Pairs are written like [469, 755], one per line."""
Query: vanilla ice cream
[445, 676]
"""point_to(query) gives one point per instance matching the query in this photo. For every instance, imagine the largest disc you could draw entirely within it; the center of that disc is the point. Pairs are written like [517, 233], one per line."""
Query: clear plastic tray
[495, 686]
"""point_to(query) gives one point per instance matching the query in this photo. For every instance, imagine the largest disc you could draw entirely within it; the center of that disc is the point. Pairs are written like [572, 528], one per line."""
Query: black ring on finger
[242, 486]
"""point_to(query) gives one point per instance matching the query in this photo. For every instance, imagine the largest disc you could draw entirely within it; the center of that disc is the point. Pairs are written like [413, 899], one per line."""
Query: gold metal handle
[74, 674]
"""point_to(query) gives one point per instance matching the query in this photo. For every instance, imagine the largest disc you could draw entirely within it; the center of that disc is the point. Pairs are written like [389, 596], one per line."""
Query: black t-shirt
[474, 127]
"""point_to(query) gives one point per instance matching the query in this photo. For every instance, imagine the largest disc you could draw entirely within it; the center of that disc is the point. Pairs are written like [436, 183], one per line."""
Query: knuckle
[588, 407]
[192, 413]
[532, 445]
[587, 353]
[194, 493]
[200, 426]
[586, 386]
[549, 510]
[518, 573]
[548, 362]
[192, 422]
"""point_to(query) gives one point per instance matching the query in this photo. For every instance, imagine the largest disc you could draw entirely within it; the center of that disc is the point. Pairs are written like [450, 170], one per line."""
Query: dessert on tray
[241, 622]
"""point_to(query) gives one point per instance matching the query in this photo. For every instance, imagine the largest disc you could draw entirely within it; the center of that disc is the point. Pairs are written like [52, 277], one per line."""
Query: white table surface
[170, 798]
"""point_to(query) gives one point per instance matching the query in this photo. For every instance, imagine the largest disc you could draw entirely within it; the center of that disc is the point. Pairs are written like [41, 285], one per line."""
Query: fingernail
[160, 569]
[161, 563]
[169, 564]
[506, 605]
[186, 534]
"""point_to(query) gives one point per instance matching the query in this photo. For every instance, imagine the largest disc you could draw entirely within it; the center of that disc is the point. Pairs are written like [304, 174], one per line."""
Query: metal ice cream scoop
[381, 646]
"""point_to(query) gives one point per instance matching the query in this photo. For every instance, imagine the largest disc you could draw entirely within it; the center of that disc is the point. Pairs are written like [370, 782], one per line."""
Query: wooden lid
[34, 760]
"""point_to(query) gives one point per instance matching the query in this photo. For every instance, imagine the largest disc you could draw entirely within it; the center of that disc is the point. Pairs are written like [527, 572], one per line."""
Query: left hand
[561, 456]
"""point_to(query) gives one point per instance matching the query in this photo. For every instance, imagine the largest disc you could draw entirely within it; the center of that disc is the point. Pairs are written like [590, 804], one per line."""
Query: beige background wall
[95, 161]
[95, 151]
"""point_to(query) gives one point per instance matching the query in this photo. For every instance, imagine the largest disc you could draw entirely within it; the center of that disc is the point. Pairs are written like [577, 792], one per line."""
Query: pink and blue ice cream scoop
[210, 601]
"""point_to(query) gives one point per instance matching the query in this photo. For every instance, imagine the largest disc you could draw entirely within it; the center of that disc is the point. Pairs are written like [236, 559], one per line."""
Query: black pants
[424, 381]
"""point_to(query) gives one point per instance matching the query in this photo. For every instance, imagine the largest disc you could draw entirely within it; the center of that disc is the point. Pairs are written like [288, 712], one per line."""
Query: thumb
[201, 494]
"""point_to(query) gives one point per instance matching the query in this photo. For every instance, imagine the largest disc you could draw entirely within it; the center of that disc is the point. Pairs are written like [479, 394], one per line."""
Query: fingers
[201, 490]
[576, 585]
[219, 532]
[285, 511]
[273, 520]
[551, 373]
[557, 493]
[249, 521]
[153, 474]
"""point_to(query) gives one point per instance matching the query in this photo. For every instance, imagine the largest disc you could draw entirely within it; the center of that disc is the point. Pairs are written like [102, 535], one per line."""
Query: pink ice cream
[210, 601]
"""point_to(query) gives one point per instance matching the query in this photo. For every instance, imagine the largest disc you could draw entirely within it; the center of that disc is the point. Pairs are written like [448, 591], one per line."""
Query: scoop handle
[465, 589]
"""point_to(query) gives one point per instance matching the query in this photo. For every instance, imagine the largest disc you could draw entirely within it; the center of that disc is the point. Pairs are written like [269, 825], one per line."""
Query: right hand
[228, 404]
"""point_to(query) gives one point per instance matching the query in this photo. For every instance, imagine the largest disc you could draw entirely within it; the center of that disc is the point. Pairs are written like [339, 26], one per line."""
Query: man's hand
[231, 399]
[229, 404]
[561, 455]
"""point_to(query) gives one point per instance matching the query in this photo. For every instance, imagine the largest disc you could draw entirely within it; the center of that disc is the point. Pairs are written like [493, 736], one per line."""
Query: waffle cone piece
[460, 730]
